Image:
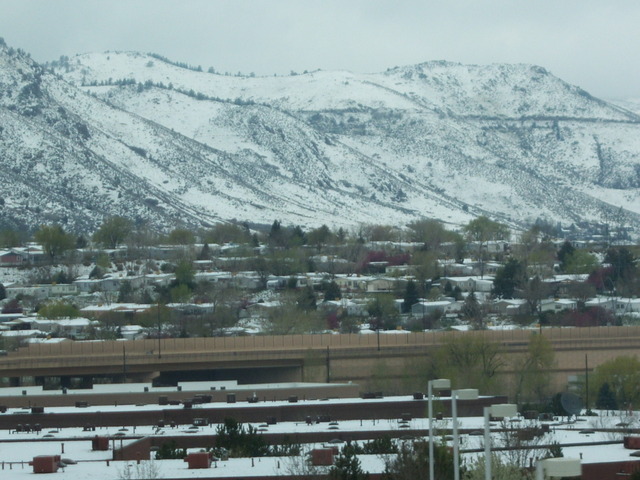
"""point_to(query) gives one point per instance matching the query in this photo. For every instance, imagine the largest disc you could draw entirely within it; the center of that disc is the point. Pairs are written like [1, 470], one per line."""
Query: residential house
[453, 269]
[423, 308]
[511, 307]
[127, 309]
[132, 332]
[344, 306]
[67, 327]
[561, 284]
[470, 284]
[12, 258]
[352, 283]
[43, 291]
[557, 305]
[626, 306]
[608, 303]
[384, 284]
[110, 283]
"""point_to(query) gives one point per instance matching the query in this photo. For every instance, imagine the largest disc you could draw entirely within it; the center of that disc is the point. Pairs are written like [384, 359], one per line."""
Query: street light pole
[440, 383]
[487, 444]
[159, 347]
[558, 467]
[498, 410]
[463, 394]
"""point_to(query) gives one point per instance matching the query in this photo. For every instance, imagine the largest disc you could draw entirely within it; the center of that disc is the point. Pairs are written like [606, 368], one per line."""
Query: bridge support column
[65, 382]
[86, 381]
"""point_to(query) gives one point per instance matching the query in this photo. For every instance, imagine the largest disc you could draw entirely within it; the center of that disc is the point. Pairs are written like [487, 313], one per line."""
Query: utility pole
[159, 331]
[586, 376]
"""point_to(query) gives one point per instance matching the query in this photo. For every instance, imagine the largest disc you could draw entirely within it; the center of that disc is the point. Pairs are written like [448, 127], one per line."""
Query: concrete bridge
[322, 357]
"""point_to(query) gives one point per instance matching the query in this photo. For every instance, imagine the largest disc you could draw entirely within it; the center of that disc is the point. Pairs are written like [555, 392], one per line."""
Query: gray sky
[591, 43]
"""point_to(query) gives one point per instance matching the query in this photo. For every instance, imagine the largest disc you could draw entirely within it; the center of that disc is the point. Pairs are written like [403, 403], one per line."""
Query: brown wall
[609, 471]
[56, 399]
[260, 412]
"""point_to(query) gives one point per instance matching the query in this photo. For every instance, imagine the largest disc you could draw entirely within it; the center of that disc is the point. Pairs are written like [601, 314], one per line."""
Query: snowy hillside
[135, 135]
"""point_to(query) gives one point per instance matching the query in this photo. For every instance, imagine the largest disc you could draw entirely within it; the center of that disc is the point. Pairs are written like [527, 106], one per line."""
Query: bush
[240, 441]
[170, 450]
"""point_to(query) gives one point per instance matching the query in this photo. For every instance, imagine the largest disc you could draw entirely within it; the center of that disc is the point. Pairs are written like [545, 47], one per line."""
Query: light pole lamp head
[503, 410]
[467, 394]
[561, 467]
[440, 383]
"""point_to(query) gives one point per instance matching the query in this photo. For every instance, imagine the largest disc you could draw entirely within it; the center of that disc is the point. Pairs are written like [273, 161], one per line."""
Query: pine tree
[472, 311]
[410, 296]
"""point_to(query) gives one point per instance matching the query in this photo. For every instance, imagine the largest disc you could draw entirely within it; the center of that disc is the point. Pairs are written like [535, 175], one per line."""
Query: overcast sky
[591, 43]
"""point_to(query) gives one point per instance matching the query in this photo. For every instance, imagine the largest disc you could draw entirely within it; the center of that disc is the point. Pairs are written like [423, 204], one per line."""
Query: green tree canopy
[319, 237]
[227, 233]
[58, 309]
[425, 265]
[181, 236]
[533, 370]
[54, 240]
[623, 376]
[383, 312]
[185, 274]
[430, 232]
[580, 261]
[470, 361]
[508, 278]
[483, 229]
[113, 232]
[10, 238]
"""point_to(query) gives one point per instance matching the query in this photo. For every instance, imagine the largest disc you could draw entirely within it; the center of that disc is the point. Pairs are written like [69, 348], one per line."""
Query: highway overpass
[321, 357]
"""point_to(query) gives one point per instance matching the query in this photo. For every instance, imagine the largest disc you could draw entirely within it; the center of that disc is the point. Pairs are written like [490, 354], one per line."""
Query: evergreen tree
[623, 263]
[332, 291]
[347, 466]
[565, 251]
[472, 311]
[276, 234]
[307, 299]
[125, 294]
[205, 253]
[410, 296]
[412, 462]
[606, 398]
[81, 242]
[509, 278]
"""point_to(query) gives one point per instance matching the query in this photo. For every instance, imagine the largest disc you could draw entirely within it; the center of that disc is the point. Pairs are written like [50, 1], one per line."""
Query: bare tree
[146, 469]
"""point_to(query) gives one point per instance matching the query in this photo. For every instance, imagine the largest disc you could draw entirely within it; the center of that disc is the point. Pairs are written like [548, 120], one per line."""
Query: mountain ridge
[130, 134]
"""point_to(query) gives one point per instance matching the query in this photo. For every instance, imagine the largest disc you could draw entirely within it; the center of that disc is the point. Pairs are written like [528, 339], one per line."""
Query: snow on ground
[22, 447]
[93, 465]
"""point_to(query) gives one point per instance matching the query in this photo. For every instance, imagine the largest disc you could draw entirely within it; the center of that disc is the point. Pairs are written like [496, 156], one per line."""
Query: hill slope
[135, 135]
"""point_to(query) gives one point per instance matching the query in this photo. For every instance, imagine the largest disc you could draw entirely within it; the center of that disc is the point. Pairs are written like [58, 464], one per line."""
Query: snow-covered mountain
[136, 135]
